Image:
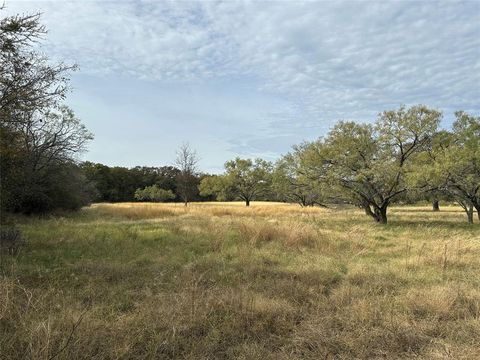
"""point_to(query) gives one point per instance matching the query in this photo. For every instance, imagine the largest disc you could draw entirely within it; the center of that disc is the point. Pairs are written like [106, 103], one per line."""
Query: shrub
[154, 193]
[10, 240]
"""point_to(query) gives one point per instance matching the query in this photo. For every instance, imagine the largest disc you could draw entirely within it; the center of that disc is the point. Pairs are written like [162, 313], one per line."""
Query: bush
[10, 240]
[58, 187]
[154, 193]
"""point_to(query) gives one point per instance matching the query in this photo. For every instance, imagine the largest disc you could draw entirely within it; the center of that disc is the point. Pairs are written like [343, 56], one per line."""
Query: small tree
[154, 193]
[247, 179]
[186, 180]
[243, 179]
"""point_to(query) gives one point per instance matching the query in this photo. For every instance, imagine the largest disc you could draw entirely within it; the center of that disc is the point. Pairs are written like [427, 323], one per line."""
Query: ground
[222, 281]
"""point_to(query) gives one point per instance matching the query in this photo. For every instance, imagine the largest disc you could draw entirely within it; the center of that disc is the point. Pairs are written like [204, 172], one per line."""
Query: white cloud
[329, 59]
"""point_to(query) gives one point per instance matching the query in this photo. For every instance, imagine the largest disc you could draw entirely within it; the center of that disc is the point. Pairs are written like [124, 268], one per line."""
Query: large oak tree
[365, 164]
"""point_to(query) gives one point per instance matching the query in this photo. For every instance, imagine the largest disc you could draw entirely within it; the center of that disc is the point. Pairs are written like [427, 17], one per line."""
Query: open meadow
[223, 281]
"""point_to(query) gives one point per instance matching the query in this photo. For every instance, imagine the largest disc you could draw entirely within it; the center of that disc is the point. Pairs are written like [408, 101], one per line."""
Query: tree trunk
[435, 206]
[469, 211]
[303, 202]
[477, 207]
[381, 215]
[247, 202]
[368, 211]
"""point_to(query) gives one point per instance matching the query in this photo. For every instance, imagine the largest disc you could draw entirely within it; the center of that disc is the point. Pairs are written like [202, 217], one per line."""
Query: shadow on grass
[439, 224]
[426, 211]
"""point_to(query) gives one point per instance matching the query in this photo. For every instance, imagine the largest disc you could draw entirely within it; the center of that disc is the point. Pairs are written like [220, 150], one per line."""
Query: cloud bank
[327, 60]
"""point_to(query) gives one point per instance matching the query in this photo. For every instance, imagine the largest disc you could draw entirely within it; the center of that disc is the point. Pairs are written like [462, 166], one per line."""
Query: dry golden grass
[223, 281]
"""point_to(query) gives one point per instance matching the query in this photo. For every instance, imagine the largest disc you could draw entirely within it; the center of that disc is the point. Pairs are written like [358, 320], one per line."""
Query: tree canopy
[452, 164]
[244, 179]
[365, 164]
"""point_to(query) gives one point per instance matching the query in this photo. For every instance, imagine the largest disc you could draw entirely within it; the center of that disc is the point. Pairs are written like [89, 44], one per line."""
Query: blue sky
[251, 79]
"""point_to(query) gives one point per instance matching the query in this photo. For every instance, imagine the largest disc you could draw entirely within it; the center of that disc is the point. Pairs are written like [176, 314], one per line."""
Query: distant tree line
[140, 183]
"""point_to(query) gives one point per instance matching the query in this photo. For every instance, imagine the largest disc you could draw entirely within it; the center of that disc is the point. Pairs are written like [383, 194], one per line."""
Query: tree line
[142, 183]
[403, 155]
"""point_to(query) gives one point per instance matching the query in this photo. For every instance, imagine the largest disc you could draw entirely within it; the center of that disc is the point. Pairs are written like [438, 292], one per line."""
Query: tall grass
[222, 281]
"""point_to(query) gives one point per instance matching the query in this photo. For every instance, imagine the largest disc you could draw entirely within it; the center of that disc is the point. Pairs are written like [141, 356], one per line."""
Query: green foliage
[216, 185]
[452, 164]
[116, 184]
[154, 193]
[244, 179]
[290, 181]
[248, 179]
[366, 164]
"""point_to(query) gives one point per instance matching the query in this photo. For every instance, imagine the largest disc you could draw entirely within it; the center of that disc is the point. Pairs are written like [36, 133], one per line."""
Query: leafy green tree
[366, 164]
[248, 180]
[154, 193]
[166, 177]
[452, 164]
[243, 179]
[65, 187]
[423, 183]
[290, 181]
[216, 185]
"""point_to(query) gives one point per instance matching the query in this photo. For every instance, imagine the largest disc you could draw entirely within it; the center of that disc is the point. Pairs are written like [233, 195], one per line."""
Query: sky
[253, 78]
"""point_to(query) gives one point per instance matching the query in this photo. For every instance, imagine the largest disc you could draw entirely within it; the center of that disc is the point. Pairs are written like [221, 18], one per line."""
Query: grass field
[222, 281]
